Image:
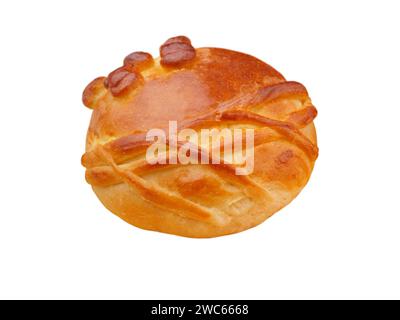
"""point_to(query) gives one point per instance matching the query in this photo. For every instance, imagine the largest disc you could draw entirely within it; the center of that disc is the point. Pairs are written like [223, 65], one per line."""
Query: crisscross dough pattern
[199, 88]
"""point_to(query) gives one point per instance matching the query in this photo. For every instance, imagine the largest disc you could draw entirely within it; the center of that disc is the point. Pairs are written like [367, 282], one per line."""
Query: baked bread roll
[198, 88]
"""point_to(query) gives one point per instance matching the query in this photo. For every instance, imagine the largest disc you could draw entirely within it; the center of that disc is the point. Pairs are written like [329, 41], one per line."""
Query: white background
[339, 239]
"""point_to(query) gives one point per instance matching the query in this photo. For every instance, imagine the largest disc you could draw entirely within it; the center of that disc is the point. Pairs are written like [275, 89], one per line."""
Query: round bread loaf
[198, 88]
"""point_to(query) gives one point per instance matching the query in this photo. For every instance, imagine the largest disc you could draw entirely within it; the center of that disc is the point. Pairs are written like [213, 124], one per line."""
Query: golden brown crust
[139, 60]
[122, 80]
[176, 52]
[198, 88]
[92, 91]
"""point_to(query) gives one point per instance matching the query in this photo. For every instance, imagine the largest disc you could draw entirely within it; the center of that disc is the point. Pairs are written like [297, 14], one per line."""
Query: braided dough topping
[198, 88]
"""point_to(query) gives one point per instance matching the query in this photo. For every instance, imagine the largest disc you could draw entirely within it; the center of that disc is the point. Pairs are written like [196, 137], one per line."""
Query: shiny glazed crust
[199, 88]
